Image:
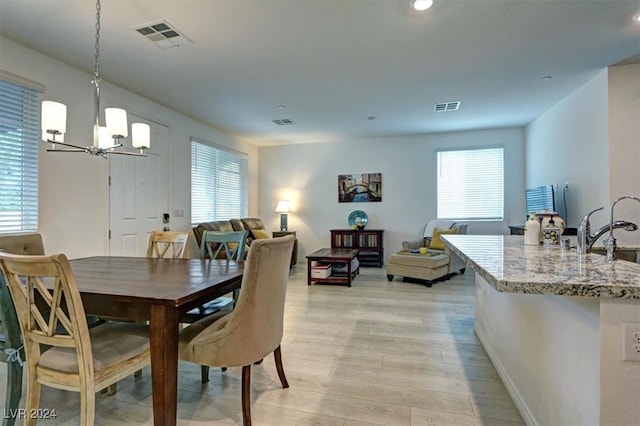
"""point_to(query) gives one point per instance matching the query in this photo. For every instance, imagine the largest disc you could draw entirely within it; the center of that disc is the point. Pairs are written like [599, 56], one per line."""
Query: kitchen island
[551, 322]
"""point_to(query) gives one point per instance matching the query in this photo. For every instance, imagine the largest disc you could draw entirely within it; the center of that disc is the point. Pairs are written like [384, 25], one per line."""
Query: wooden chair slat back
[174, 244]
[233, 243]
[47, 301]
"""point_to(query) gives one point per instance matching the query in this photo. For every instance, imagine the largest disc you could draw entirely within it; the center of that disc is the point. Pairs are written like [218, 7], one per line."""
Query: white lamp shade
[422, 4]
[54, 118]
[116, 119]
[284, 206]
[140, 135]
[104, 138]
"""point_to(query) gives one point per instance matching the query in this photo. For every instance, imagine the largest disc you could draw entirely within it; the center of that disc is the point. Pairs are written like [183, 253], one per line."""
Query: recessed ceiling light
[637, 18]
[422, 4]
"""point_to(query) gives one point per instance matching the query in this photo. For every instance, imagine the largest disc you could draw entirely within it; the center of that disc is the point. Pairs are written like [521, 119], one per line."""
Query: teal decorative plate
[354, 215]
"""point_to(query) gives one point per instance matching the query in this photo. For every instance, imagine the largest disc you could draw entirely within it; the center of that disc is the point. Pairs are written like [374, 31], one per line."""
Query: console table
[369, 243]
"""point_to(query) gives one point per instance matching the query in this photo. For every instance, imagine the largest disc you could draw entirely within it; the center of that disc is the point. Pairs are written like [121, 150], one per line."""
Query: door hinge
[109, 180]
[109, 233]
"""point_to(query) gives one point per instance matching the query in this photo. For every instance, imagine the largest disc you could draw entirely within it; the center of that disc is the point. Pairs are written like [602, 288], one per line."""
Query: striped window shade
[19, 136]
[219, 183]
[471, 184]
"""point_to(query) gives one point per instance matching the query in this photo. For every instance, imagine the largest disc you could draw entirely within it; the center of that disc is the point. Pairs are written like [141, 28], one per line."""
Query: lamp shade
[140, 135]
[104, 139]
[116, 119]
[54, 118]
[284, 206]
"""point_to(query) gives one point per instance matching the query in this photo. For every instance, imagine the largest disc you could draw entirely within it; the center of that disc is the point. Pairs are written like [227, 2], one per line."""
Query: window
[19, 137]
[471, 184]
[219, 188]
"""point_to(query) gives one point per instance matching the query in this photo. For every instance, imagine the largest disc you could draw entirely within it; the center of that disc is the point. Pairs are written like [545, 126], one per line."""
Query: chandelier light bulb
[104, 139]
[54, 119]
[116, 119]
[421, 5]
[140, 135]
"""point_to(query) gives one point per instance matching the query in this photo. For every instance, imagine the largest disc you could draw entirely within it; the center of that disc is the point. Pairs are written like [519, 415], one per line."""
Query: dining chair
[11, 353]
[254, 328]
[50, 313]
[11, 350]
[165, 244]
[211, 245]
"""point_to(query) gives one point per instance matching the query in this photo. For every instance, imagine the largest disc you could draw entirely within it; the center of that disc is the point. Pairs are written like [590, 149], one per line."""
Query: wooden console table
[369, 244]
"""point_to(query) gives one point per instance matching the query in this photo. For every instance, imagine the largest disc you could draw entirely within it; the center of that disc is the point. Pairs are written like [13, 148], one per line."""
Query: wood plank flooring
[377, 353]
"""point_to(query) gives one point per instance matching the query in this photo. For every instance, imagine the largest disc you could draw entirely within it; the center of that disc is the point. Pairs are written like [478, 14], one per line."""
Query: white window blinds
[19, 135]
[219, 184]
[471, 184]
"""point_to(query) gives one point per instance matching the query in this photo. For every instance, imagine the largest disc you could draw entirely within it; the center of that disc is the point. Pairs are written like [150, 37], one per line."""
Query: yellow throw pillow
[260, 234]
[436, 241]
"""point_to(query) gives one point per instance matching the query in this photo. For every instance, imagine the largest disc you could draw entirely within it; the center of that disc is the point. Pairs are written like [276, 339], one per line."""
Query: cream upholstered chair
[51, 313]
[254, 328]
[213, 243]
[456, 264]
[174, 244]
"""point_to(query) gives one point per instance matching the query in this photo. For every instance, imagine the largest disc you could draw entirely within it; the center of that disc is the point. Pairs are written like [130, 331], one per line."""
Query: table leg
[348, 273]
[163, 334]
[308, 271]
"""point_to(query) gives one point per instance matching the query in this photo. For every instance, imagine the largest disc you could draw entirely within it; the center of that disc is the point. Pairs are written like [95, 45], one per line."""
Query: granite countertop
[512, 267]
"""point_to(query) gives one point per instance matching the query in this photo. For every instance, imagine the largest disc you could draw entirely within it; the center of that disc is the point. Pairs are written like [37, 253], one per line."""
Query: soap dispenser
[532, 230]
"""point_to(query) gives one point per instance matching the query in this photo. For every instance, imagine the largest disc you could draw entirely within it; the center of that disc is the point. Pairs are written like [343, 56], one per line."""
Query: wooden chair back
[11, 350]
[233, 243]
[51, 315]
[173, 244]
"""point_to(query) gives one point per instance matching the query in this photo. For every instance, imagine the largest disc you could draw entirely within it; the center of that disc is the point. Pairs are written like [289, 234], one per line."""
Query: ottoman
[426, 267]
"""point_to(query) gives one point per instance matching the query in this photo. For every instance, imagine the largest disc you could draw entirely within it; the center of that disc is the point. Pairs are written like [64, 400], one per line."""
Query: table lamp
[283, 207]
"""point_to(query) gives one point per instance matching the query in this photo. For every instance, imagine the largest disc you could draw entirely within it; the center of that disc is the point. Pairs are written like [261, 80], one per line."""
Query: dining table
[159, 291]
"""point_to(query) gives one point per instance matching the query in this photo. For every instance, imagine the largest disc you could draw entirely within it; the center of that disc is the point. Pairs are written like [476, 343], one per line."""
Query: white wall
[308, 175]
[570, 143]
[624, 145]
[73, 187]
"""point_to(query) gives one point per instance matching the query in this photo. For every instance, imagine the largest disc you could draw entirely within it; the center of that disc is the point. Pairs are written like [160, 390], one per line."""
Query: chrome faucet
[586, 240]
[610, 242]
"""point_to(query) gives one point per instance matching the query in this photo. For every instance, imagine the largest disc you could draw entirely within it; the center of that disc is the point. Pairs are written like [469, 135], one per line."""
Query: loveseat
[254, 225]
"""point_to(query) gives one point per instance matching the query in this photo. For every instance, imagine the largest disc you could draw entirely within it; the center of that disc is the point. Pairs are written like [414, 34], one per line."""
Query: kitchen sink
[630, 254]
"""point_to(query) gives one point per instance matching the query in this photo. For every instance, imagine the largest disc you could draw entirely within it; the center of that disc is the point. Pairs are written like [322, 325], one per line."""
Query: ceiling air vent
[284, 122]
[162, 34]
[446, 106]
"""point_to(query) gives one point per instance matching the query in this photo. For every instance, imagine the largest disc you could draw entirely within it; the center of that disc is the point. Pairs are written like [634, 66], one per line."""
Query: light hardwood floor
[377, 353]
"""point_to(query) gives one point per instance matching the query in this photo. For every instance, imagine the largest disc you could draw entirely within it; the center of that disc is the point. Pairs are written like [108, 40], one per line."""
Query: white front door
[138, 193]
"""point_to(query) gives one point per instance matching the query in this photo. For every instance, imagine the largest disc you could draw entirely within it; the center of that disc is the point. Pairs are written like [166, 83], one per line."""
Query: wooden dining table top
[158, 291]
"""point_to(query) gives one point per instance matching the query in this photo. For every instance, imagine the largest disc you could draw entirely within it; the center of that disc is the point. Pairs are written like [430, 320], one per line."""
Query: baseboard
[519, 402]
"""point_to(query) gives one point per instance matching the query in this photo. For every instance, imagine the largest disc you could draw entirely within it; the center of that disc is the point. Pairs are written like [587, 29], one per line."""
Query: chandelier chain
[96, 66]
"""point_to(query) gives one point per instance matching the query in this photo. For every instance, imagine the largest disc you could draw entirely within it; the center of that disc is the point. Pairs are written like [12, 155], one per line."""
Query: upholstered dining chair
[50, 313]
[211, 245]
[254, 328]
[173, 244]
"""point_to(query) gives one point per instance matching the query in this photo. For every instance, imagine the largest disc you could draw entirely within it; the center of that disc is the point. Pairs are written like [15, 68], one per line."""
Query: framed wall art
[360, 188]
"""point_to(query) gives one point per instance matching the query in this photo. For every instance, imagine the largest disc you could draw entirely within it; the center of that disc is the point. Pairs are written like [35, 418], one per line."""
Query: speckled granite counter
[510, 266]
[551, 321]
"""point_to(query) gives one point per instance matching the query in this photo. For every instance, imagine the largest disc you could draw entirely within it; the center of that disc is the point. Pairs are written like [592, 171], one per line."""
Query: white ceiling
[333, 64]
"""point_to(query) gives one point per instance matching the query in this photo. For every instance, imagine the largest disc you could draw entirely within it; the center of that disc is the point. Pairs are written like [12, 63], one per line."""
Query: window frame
[470, 177]
[214, 191]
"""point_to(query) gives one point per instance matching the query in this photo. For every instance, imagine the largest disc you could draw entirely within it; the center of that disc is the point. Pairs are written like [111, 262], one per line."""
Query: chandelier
[106, 139]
